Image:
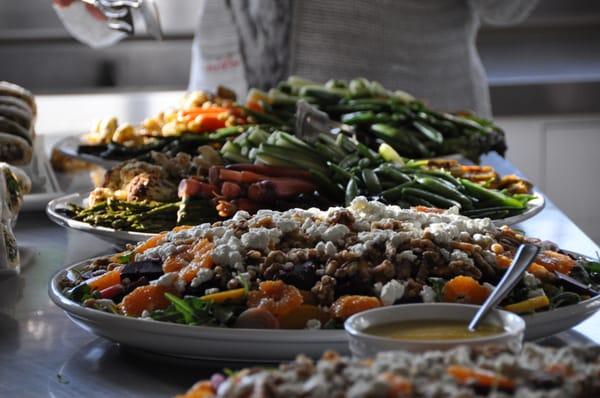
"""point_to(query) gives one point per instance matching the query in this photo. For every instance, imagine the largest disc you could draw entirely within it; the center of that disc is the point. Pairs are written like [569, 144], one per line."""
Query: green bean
[490, 195]
[435, 199]
[417, 201]
[360, 117]
[371, 181]
[340, 171]
[393, 194]
[351, 191]
[429, 132]
[393, 173]
[435, 186]
[366, 152]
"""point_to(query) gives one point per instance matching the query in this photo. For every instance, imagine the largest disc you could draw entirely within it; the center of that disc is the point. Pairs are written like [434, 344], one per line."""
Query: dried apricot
[148, 297]
[174, 263]
[346, 306]
[399, 387]
[275, 297]
[150, 243]
[105, 280]
[464, 289]
[298, 317]
[202, 389]
[554, 261]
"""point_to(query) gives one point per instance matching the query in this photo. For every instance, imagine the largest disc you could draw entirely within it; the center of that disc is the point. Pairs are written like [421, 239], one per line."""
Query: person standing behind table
[425, 47]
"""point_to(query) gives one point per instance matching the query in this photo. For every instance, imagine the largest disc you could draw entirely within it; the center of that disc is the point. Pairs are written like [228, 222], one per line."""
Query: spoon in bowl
[525, 255]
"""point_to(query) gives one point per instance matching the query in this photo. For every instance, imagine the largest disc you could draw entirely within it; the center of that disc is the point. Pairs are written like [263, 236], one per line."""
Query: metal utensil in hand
[310, 122]
[524, 256]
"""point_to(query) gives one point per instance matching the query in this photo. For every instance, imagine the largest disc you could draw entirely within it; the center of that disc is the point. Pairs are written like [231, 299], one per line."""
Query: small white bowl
[363, 345]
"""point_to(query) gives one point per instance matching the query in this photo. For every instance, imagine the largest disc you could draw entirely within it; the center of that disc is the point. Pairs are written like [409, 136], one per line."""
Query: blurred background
[544, 76]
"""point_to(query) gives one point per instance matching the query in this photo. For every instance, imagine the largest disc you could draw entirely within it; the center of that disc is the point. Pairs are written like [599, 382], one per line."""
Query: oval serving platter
[256, 345]
[112, 235]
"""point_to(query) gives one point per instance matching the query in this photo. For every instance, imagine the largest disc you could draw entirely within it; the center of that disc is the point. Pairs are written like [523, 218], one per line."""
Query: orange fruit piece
[346, 306]
[202, 389]
[148, 297]
[481, 377]
[464, 289]
[298, 317]
[275, 297]
[105, 280]
[150, 243]
[554, 261]
[399, 386]
[174, 264]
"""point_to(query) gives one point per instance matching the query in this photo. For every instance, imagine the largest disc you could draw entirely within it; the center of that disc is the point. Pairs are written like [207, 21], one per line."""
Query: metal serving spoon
[524, 256]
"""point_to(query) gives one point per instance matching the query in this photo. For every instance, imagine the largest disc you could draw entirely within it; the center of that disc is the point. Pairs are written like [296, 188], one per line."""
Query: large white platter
[116, 236]
[253, 344]
[110, 235]
[69, 146]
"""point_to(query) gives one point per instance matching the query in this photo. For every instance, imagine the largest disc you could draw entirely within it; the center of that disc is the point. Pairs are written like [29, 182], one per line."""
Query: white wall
[561, 156]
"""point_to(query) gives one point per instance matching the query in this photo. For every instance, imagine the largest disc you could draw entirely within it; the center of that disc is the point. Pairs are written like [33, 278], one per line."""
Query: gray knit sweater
[425, 47]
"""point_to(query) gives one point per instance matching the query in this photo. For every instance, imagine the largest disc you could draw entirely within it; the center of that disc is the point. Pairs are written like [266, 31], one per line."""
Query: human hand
[96, 13]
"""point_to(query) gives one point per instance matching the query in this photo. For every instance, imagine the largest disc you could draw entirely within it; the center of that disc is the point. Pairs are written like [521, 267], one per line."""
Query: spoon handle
[524, 256]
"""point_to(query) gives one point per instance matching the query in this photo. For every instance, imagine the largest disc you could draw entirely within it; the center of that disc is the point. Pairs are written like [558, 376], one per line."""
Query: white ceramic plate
[253, 344]
[68, 146]
[116, 236]
[534, 206]
[110, 235]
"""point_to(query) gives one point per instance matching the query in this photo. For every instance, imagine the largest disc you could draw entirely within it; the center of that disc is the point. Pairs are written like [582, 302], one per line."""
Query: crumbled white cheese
[335, 233]
[313, 324]
[459, 255]
[203, 275]
[212, 290]
[166, 280]
[427, 294]
[326, 249]
[260, 238]
[530, 280]
[392, 291]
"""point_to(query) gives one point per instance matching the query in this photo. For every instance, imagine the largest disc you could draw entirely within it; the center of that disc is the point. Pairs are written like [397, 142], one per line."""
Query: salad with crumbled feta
[314, 268]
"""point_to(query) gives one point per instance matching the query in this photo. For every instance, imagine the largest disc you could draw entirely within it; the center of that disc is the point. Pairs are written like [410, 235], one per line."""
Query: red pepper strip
[247, 177]
[111, 291]
[191, 187]
[271, 171]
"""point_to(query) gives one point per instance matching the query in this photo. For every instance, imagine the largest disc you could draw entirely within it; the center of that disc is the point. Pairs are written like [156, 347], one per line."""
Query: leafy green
[192, 310]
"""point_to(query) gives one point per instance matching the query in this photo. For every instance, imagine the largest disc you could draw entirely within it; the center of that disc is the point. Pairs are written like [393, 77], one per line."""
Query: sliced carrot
[234, 295]
[424, 209]
[105, 280]
[481, 377]
[202, 389]
[298, 317]
[529, 305]
[203, 111]
[240, 176]
[464, 289]
[208, 122]
[554, 261]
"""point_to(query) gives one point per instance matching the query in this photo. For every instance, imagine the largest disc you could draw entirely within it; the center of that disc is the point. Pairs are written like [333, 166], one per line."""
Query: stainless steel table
[42, 353]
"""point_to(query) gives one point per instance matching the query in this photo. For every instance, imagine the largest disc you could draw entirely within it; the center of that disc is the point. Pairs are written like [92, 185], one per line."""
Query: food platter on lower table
[112, 235]
[257, 345]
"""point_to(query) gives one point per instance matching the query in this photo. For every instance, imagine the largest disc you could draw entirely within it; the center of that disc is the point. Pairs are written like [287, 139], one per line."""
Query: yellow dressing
[432, 330]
